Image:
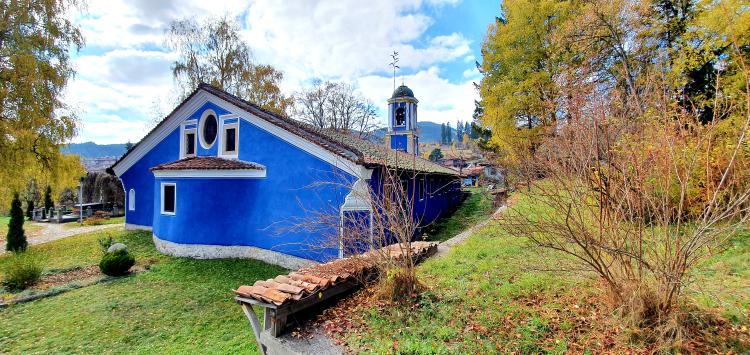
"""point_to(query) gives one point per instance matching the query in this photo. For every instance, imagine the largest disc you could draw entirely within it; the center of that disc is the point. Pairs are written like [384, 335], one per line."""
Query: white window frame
[202, 121]
[422, 192]
[223, 127]
[163, 184]
[183, 139]
[131, 200]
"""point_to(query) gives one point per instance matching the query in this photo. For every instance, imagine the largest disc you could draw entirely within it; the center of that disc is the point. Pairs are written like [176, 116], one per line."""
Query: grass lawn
[113, 220]
[477, 207]
[486, 297]
[30, 229]
[179, 306]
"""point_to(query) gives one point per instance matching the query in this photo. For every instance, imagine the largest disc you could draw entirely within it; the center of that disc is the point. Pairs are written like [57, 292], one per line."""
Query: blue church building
[220, 177]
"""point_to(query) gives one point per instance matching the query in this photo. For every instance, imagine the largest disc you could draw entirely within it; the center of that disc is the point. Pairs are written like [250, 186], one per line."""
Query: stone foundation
[203, 251]
[131, 227]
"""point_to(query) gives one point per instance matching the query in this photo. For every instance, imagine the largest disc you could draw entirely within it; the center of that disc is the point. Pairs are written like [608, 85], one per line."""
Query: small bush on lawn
[23, 271]
[116, 263]
[105, 243]
[94, 221]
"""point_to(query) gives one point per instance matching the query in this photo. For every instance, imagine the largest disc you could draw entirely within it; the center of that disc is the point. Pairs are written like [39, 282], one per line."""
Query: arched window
[131, 200]
[400, 116]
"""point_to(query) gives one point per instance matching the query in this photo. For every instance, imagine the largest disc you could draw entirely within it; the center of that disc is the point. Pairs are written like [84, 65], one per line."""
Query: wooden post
[250, 314]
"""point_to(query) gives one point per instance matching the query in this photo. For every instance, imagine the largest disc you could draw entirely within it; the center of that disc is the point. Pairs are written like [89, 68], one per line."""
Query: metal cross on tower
[394, 65]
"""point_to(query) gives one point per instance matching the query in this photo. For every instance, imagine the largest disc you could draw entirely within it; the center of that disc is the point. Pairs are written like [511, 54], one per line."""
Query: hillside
[429, 132]
[93, 150]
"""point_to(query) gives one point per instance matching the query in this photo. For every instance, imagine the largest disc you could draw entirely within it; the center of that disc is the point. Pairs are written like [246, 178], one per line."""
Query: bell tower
[402, 121]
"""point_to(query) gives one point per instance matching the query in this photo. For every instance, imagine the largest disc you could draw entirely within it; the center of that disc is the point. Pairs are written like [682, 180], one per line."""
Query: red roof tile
[208, 163]
[352, 148]
[308, 281]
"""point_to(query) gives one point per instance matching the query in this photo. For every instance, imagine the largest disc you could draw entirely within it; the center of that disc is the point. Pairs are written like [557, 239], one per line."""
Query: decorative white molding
[213, 174]
[161, 196]
[358, 198]
[131, 226]
[184, 130]
[131, 200]
[297, 141]
[170, 123]
[201, 122]
[223, 126]
[200, 98]
[205, 251]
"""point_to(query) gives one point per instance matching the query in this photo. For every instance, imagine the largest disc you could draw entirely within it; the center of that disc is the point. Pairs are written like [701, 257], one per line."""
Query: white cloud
[125, 69]
[439, 100]
[131, 24]
[346, 39]
[122, 84]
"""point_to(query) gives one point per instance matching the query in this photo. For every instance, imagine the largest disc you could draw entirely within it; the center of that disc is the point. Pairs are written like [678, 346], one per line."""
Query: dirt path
[53, 231]
[445, 246]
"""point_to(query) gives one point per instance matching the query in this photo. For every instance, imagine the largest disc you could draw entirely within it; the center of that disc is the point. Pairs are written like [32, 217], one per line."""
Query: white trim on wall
[183, 140]
[201, 122]
[201, 98]
[295, 140]
[171, 123]
[215, 174]
[223, 126]
[131, 200]
[161, 197]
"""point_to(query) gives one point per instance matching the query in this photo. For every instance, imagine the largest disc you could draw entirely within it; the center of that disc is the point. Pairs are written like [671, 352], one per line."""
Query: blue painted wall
[399, 142]
[442, 194]
[139, 177]
[261, 212]
[258, 212]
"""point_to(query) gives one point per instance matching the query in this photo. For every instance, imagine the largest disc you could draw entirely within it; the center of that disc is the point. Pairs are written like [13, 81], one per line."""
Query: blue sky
[124, 82]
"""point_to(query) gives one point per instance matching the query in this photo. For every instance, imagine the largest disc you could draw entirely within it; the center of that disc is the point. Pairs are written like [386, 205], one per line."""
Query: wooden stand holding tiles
[286, 295]
[275, 317]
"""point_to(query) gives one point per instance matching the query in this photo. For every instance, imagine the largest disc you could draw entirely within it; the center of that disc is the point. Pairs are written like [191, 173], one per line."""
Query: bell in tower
[402, 121]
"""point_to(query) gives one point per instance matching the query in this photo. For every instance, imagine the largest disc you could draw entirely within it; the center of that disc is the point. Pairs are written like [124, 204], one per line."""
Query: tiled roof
[208, 163]
[308, 282]
[377, 154]
[475, 170]
[349, 147]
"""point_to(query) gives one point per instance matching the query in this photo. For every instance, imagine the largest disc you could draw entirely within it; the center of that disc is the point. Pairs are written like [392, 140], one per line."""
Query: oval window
[210, 129]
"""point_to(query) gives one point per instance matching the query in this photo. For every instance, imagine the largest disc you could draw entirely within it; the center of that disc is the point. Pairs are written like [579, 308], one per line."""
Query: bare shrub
[384, 214]
[640, 200]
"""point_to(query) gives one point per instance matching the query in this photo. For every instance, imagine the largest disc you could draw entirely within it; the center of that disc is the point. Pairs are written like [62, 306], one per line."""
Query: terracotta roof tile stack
[208, 163]
[297, 285]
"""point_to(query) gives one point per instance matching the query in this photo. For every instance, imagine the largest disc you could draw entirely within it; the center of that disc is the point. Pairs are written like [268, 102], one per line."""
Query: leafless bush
[640, 200]
[374, 214]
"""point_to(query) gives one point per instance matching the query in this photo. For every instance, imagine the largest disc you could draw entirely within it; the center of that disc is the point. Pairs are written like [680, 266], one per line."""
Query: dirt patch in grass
[58, 282]
[65, 277]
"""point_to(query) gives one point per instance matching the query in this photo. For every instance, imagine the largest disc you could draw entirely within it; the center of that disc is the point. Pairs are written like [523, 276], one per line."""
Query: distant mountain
[93, 150]
[429, 132]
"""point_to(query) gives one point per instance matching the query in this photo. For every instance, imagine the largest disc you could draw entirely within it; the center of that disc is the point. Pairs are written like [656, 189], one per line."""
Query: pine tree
[48, 199]
[443, 139]
[30, 209]
[16, 240]
[459, 130]
[448, 133]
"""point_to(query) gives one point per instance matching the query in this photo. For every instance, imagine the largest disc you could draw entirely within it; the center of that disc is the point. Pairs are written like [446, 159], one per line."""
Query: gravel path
[54, 231]
[445, 246]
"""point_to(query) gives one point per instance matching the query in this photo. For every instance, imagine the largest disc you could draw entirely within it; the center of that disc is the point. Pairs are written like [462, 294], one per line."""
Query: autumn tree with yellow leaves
[36, 39]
